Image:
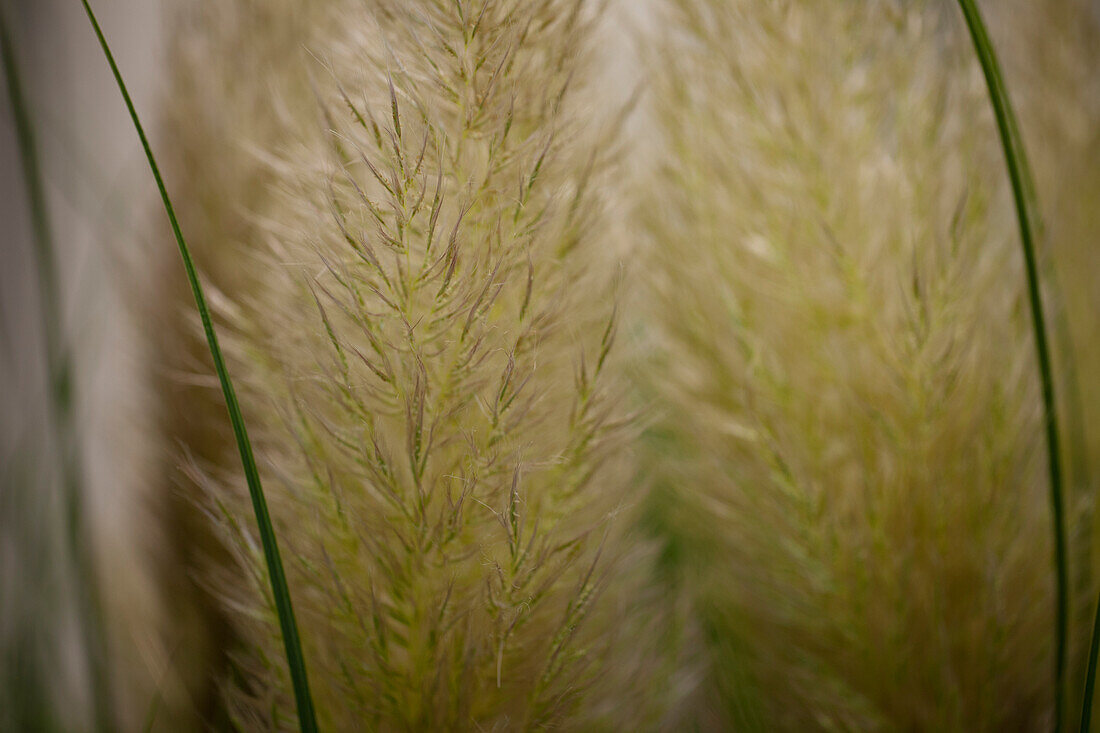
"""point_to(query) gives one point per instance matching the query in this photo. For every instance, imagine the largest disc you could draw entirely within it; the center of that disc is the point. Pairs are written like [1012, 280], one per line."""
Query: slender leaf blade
[1023, 193]
[291, 640]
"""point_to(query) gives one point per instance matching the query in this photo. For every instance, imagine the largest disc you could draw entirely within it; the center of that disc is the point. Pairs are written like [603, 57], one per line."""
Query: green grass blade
[1026, 215]
[1090, 676]
[281, 592]
[59, 368]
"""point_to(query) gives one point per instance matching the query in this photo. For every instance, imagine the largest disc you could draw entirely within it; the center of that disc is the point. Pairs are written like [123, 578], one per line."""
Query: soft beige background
[98, 190]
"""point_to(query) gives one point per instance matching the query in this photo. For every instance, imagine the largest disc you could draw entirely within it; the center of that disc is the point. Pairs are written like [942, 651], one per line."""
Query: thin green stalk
[306, 717]
[1023, 194]
[1090, 676]
[59, 369]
